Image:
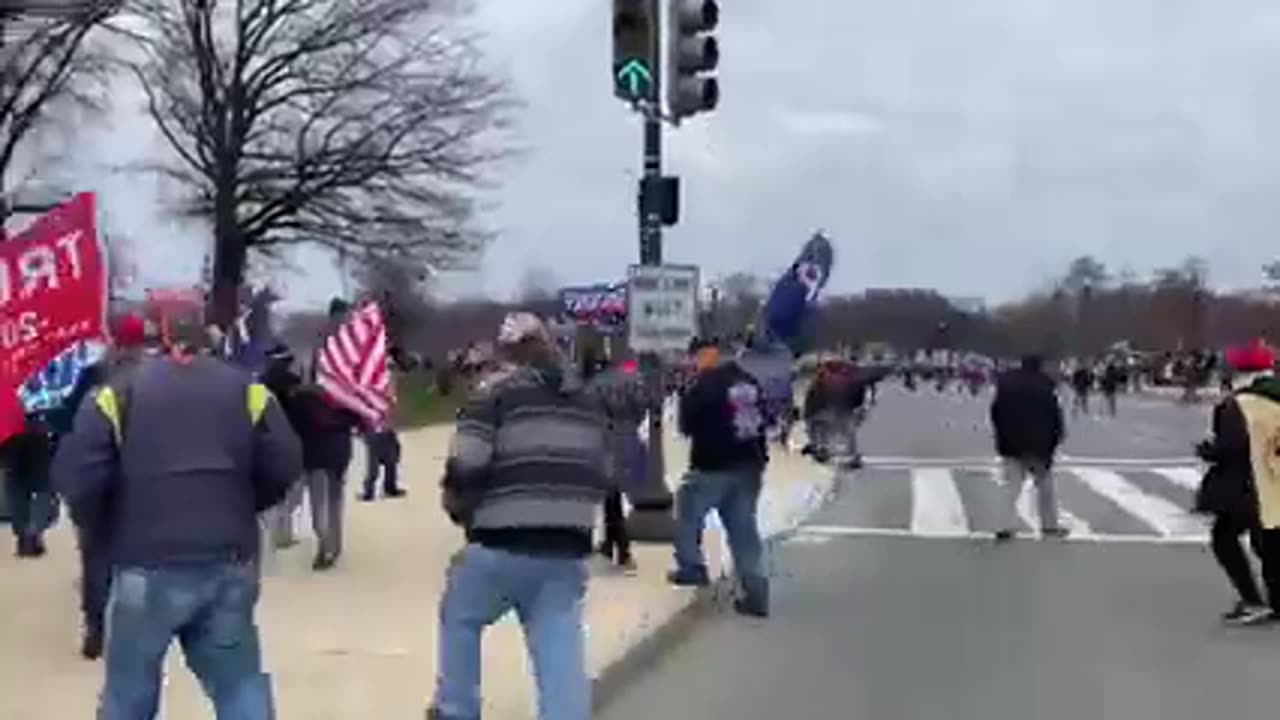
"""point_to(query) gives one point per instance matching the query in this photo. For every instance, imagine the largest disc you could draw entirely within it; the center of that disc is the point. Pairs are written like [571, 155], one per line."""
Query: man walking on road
[723, 414]
[526, 471]
[1027, 421]
[173, 462]
[1241, 490]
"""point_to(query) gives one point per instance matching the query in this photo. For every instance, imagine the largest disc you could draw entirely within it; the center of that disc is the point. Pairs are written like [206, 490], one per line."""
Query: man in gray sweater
[526, 471]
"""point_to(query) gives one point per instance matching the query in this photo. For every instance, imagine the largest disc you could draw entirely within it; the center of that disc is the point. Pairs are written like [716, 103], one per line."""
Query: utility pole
[650, 232]
[637, 79]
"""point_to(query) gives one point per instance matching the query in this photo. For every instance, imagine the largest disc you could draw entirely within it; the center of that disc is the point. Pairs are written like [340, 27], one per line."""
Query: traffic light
[693, 54]
[634, 50]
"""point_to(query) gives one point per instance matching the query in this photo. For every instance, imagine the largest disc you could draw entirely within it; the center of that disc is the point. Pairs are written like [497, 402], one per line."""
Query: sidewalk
[359, 641]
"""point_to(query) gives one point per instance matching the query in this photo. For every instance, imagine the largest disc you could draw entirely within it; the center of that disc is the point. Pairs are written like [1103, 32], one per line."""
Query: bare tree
[402, 285]
[361, 125]
[44, 61]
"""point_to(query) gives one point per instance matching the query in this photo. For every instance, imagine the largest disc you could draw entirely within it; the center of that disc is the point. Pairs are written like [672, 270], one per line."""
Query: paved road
[954, 424]
[948, 625]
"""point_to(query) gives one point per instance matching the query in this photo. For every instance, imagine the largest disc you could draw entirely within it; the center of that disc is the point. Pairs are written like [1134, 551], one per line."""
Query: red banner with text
[53, 293]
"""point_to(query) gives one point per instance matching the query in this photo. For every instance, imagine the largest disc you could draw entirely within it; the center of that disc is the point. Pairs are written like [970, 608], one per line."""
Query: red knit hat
[1254, 357]
[130, 331]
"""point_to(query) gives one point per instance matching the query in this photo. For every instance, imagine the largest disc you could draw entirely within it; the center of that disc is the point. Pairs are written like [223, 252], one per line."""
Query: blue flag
[795, 294]
[54, 384]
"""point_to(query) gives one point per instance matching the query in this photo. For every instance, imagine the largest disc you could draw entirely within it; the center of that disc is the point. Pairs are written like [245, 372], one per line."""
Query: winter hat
[129, 331]
[522, 327]
[1251, 358]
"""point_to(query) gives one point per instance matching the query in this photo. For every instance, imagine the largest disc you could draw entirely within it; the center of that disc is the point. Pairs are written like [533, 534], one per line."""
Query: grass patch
[419, 403]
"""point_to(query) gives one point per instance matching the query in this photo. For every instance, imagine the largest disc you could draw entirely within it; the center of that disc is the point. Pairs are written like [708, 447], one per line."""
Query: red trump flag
[53, 293]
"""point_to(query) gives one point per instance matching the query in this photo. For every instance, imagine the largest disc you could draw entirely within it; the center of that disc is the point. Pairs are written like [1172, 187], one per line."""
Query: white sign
[662, 307]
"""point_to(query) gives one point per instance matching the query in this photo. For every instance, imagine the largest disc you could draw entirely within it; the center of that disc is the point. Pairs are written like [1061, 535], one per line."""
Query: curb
[667, 634]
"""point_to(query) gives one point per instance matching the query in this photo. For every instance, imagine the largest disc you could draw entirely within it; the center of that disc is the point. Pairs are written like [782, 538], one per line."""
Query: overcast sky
[974, 147]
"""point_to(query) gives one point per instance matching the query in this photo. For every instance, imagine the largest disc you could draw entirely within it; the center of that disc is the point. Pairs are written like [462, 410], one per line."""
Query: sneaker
[689, 578]
[366, 496]
[1244, 614]
[628, 567]
[746, 609]
[323, 562]
[1059, 533]
[395, 492]
[1004, 535]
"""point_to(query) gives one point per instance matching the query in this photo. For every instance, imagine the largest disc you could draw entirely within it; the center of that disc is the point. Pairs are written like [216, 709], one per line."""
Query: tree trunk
[229, 260]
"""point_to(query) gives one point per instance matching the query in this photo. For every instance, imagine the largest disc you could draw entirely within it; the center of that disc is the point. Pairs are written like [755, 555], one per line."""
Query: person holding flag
[353, 382]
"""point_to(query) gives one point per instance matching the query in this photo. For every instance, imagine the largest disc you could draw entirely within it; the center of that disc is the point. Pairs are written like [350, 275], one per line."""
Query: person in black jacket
[1229, 493]
[1028, 425]
[723, 413]
[25, 457]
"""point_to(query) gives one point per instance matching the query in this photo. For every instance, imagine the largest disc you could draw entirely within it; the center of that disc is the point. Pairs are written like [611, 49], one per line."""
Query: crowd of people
[174, 508]
[174, 461]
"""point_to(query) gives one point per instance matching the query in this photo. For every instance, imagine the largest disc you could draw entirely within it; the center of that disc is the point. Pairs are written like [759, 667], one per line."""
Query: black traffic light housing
[693, 57]
[635, 61]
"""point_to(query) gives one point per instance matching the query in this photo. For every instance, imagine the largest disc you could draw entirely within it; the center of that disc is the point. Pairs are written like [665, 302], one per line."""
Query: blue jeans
[547, 594]
[209, 610]
[733, 494]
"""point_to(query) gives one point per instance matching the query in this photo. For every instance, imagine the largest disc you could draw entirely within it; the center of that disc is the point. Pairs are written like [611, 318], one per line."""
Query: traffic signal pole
[650, 230]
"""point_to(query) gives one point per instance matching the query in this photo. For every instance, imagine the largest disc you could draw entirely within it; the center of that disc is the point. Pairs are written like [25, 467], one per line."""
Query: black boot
[30, 546]
[91, 643]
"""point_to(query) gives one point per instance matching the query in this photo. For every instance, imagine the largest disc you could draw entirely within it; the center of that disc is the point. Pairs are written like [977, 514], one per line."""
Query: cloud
[969, 146]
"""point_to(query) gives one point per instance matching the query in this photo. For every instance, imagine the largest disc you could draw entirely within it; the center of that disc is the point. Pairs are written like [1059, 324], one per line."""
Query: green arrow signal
[636, 77]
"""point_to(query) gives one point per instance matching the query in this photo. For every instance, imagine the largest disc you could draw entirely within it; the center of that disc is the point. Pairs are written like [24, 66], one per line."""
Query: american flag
[352, 366]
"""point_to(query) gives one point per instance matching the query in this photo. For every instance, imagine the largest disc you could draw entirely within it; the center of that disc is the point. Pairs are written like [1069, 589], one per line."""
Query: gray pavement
[893, 603]
[911, 629]
[954, 424]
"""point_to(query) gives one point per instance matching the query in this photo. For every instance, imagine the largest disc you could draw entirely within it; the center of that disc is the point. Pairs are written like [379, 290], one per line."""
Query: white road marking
[1030, 512]
[852, 531]
[1187, 477]
[1161, 515]
[936, 507]
[896, 461]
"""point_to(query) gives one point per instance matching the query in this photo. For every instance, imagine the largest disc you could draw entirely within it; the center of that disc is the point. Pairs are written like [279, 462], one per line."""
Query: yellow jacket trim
[256, 398]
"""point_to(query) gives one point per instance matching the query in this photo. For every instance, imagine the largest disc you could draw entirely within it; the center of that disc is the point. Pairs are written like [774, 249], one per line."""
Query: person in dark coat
[25, 457]
[1230, 491]
[129, 338]
[1028, 425]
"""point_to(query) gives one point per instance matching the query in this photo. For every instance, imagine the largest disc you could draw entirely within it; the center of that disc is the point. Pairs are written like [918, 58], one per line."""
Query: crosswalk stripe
[1161, 515]
[936, 506]
[1029, 511]
[851, 531]
[1186, 477]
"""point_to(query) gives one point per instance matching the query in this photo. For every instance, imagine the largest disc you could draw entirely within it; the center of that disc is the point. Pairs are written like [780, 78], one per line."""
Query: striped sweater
[530, 452]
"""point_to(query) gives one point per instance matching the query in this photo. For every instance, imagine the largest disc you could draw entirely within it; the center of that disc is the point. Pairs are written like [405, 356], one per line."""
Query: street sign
[662, 304]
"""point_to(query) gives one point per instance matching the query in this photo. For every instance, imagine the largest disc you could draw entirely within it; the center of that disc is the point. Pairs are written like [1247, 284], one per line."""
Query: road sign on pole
[662, 307]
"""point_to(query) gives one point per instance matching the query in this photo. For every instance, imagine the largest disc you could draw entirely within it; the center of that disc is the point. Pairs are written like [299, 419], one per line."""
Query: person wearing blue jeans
[724, 415]
[733, 494]
[210, 610]
[527, 468]
[166, 470]
[547, 594]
